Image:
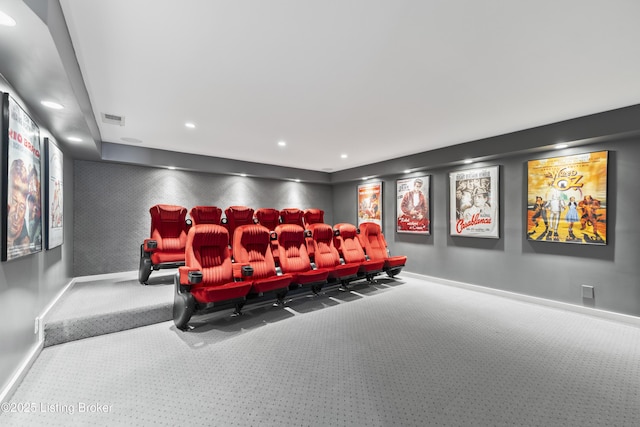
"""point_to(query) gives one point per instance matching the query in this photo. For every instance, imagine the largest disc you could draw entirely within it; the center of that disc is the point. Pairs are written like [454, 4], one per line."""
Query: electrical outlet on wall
[587, 291]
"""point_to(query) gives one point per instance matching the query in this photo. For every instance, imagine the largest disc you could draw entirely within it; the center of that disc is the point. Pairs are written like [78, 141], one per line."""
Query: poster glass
[22, 209]
[54, 194]
[474, 197]
[370, 203]
[412, 205]
[567, 199]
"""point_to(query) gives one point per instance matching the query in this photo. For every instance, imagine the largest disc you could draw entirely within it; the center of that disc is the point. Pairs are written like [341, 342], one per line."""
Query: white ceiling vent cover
[112, 119]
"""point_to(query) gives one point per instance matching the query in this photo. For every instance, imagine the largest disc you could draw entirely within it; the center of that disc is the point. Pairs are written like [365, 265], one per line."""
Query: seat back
[207, 250]
[347, 243]
[268, 217]
[292, 216]
[237, 216]
[293, 254]
[313, 216]
[325, 254]
[205, 215]
[169, 227]
[372, 241]
[252, 245]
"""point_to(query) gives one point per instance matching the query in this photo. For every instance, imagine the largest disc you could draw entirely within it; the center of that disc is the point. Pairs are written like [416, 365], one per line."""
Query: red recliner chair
[207, 280]
[254, 261]
[235, 217]
[348, 246]
[295, 260]
[268, 217]
[375, 246]
[325, 255]
[205, 215]
[313, 216]
[292, 216]
[165, 247]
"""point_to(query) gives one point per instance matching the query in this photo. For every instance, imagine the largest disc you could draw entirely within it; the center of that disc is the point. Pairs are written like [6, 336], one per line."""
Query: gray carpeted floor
[405, 352]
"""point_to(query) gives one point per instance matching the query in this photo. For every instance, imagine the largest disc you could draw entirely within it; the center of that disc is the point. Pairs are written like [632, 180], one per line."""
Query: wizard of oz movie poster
[567, 199]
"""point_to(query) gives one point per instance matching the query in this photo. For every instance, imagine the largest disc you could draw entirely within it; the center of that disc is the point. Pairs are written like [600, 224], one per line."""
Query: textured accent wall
[112, 204]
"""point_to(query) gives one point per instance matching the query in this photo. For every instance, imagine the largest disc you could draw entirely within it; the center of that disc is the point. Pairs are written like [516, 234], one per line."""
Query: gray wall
[113, 200]
[512, 263]
[28, 284]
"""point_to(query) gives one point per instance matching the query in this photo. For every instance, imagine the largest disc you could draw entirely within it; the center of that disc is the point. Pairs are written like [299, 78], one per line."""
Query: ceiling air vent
[112, 119]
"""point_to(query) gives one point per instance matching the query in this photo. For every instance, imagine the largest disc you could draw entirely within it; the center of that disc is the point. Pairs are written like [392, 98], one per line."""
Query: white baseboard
[609, 315]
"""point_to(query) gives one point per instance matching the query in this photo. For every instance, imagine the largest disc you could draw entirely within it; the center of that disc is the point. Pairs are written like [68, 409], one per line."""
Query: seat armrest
[189, 276]
[242, 270]
[150, 245]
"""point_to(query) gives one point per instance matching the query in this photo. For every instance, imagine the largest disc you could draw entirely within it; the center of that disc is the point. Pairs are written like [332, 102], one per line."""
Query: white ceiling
[373, 79]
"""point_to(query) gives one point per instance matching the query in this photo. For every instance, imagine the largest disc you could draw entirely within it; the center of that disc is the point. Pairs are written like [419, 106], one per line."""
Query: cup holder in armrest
[195, 277]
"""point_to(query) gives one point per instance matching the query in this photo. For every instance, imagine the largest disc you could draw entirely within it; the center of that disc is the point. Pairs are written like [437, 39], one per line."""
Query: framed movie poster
[412, 205]
[474, 197]
[370, 203]
[54, 195]
[21, 206]
[567, 199]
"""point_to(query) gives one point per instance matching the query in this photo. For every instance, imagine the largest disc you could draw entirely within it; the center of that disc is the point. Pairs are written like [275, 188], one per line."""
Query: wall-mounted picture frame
[412, 205]
[474, 202]
[21, 192]
[370, 203]
[567, 199]
[54, 195]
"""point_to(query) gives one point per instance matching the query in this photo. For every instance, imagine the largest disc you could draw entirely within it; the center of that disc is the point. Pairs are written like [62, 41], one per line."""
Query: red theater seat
[268, 217]
[206, 280]
[252, 247]
[292, 216]
[348, 245]
[165, 247]
[235, 217]
[375, 246]
[313, 216]
[326, 255]
[205, 215]
[295, 260]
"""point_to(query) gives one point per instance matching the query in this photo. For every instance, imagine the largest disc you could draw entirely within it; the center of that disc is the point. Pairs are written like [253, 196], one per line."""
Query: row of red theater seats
[226, 263]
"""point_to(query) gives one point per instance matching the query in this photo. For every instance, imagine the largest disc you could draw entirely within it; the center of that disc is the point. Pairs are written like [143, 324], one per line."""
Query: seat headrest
[321, 231]
[208, 235]
[252, 234]
[290, 233]
[206, 214]
[168, 212]
[313, 216]
[347, 231]
[370, 228]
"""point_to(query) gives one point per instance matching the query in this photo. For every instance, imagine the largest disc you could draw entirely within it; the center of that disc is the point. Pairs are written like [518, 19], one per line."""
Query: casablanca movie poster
[370, 203]
[412, 205]
[567, 199]
[22, 222]
[474, 202]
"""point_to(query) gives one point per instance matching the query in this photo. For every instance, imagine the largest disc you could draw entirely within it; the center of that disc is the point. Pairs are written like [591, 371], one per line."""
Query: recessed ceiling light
[6, 20]
[407, 171]
[171, 168]
[282, 143]
[52, 105]
[560, 146]
[74, 139]
[190, 125]
[364, 178]
[296, 180]
[343, 156]
[243, 174]
[468, 161]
